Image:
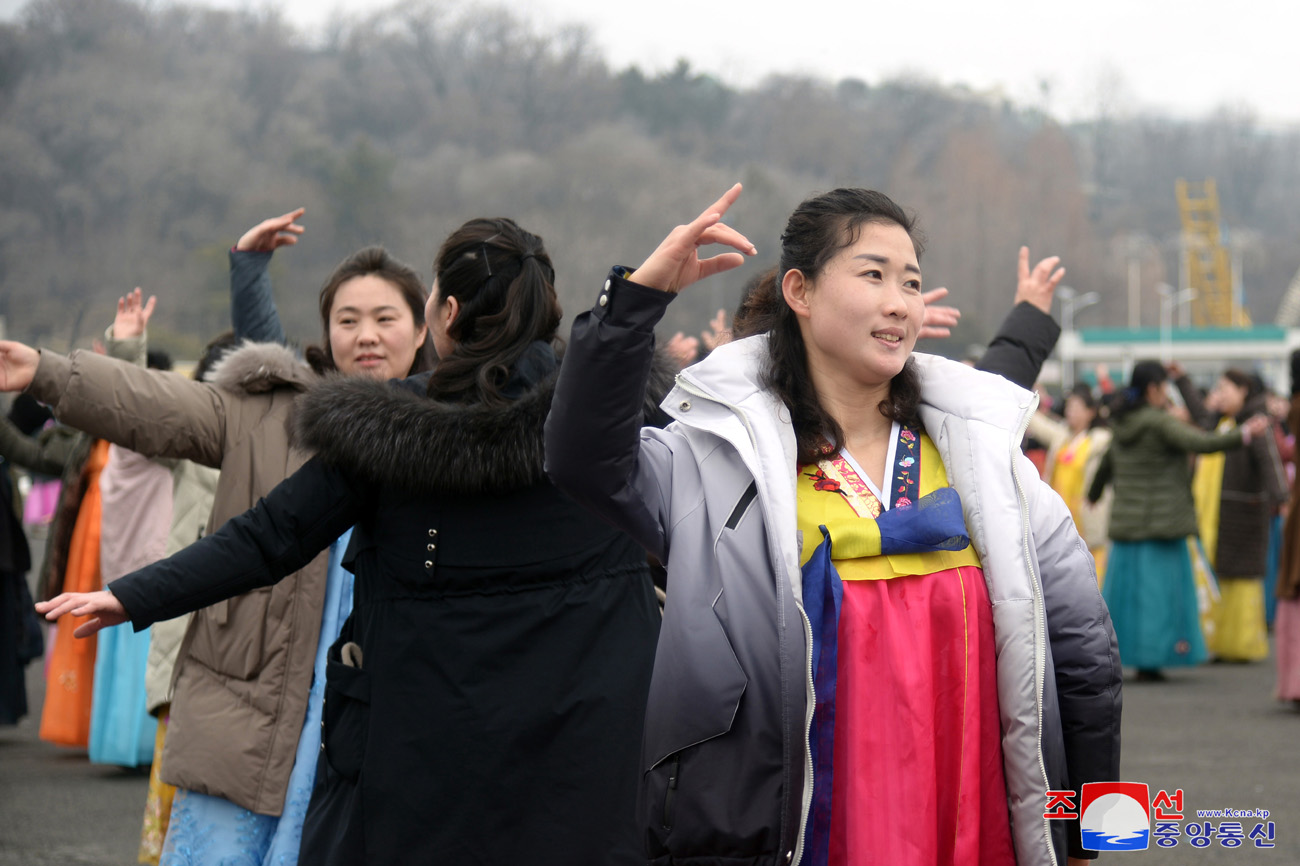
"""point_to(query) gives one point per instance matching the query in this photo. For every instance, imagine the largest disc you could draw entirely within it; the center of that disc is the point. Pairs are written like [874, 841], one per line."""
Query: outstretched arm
[1028, 333]
[596, 450]
[253, 314]
[278, 536]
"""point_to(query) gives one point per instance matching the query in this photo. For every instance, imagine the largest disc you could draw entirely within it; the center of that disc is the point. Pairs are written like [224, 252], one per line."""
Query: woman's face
[863, 312]
[1077, 414]
[1226, 397]
[1158, 394]
[372, 330]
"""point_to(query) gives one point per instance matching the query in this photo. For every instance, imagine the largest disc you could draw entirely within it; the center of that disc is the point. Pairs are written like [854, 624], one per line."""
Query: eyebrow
[884, 260]
[384, 308]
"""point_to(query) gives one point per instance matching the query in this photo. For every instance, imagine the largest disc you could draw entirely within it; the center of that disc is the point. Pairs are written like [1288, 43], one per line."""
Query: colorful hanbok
[906, 737]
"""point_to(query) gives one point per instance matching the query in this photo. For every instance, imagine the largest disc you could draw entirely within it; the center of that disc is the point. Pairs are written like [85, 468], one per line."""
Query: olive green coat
[1149, 465]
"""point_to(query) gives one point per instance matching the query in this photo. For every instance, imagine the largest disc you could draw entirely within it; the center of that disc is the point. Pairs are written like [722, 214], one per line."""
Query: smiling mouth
[888, 338]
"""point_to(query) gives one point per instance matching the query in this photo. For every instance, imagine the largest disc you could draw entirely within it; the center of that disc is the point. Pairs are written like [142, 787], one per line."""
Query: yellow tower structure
[1209, 265]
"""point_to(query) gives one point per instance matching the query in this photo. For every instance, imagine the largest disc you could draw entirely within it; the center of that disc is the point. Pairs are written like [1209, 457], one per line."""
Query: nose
[368, 334]
[894, 302]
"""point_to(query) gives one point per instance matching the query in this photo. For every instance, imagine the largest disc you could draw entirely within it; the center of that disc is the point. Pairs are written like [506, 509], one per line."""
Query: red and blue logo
[1114, 816]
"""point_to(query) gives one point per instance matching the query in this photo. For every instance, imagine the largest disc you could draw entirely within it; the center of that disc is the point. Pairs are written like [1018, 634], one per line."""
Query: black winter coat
[493, 714]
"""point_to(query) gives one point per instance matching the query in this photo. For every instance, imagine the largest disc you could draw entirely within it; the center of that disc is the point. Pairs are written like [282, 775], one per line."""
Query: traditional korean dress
[906, 738]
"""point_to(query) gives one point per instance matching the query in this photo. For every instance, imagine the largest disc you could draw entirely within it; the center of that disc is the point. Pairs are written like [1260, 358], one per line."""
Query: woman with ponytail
[484, 702]
[1150, 582]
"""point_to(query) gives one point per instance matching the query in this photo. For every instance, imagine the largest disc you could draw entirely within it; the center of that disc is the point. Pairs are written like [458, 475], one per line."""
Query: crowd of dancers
[448, 587]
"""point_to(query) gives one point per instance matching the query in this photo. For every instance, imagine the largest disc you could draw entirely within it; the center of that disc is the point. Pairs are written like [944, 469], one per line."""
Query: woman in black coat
[484, 703]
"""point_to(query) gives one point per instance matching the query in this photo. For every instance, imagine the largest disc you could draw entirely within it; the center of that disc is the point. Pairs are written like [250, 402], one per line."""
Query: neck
[854, 405]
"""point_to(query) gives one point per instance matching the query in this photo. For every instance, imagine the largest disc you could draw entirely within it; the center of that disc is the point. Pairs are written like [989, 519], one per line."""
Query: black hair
[503, 280]
[213, 352]
[818, 229]
[1145, 374]
[156, 359]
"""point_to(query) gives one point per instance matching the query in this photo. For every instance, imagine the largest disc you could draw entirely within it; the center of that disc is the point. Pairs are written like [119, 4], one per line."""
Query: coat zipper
[796, 854]
[1039, 609]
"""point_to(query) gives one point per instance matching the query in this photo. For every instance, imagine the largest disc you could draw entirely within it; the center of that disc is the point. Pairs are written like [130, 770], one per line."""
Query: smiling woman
[372, 308]
[863, 703]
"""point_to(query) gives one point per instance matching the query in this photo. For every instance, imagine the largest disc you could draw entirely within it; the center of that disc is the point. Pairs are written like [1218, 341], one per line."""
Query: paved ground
[1214, 731]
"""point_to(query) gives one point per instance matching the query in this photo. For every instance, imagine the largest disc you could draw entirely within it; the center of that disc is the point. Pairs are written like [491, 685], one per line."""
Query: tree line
[139, 141]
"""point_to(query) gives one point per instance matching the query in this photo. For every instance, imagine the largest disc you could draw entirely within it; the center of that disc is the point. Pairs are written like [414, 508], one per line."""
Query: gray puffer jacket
[727, 778]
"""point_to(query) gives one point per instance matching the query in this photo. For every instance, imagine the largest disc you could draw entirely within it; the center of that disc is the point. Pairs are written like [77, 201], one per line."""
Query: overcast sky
[1186, 57]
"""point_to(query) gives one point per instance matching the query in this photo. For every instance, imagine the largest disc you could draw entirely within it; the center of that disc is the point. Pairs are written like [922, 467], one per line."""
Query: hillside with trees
[139, 141]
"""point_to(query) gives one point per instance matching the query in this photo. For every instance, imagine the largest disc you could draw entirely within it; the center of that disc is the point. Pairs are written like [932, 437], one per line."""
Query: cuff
[625, 304]
[1027, 316]
[51, 379]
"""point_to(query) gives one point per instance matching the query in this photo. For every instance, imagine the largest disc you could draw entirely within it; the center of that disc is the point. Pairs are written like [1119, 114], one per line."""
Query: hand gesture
[269, 235]
[682, 349]
[132, 315]
[717, 334]
[17, 365]
[676, 263]
[1256, 425]
[103, 608]
[1037, 286]
[938, 321]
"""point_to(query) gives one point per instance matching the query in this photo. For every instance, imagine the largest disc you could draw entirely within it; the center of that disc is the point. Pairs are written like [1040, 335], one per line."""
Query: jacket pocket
[345, 715]
[230, 636]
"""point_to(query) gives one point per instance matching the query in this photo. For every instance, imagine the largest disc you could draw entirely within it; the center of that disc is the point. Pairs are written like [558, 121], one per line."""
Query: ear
[450, 310]
[795, 288]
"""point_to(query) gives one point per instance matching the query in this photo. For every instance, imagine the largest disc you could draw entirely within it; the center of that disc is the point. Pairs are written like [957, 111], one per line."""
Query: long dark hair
[1145, 374]
[504, 282]
[370, 261]
[818, 229]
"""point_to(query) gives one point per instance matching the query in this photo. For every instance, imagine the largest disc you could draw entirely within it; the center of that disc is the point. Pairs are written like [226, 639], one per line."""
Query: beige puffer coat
[245, 666]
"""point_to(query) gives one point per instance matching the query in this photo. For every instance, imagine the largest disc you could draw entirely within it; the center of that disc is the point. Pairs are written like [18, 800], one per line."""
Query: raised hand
[1037, 286]
[1255, 425]
[717, 334]
[132, 315]
[682, 349]
[17, 365]
[938, 320]
[676, 263]
[102, 606]
[273, 233]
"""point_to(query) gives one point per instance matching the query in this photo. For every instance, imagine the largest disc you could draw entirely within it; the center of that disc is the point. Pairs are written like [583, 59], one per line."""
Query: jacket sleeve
[1048, 430]
[1195, 403]
[278, 536]
[1272, 474]
[252, 306]
[155, 413]
[1085, 653]
[596, 448]
[1105, 473]
[1185, 437]
[46, 453]
[1021, 345]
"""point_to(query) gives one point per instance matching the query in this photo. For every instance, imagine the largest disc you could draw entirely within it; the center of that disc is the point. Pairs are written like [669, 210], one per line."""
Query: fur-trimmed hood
[255, 368]
[394, 437]
[388, 434]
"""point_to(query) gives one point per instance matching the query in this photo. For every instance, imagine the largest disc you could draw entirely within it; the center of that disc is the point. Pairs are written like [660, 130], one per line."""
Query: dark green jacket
[1150, 467]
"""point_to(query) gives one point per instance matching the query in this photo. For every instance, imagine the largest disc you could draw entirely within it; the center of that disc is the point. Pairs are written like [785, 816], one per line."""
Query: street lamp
[1169, 301]
[1071, 301]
